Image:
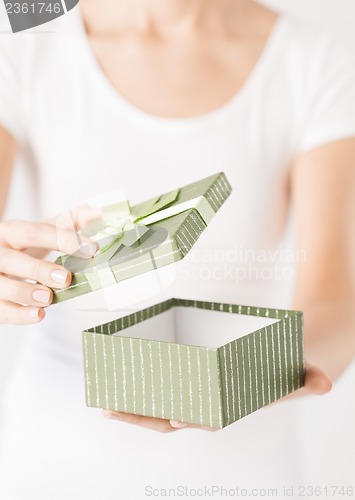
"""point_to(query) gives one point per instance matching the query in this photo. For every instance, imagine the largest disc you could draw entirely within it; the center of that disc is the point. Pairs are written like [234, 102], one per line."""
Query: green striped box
[167, 240]
[205, 363]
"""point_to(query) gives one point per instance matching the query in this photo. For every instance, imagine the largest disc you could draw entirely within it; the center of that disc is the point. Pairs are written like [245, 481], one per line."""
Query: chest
[89, 139]
[176, 78]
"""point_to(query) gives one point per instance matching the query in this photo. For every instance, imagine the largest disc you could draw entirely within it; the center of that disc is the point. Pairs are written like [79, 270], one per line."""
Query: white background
[329, 431]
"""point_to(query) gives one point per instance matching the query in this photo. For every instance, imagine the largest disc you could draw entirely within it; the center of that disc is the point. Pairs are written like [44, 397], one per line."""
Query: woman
[149, 95]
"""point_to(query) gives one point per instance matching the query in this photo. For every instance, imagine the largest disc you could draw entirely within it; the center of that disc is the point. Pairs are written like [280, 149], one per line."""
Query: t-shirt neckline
[139, 115]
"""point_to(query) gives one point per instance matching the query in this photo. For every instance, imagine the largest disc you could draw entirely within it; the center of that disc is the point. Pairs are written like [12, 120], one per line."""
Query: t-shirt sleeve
[331, 113]
[11, 104]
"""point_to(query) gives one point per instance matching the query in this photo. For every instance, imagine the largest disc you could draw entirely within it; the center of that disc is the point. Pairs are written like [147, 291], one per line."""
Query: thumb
[317, 382]
[76, 218]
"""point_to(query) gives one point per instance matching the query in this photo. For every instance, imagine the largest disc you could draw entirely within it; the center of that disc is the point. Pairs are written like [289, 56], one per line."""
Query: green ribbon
[119, 224]
[124, 226]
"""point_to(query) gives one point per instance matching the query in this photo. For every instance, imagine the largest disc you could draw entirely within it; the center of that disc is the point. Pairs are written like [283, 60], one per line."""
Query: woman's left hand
[316, 383]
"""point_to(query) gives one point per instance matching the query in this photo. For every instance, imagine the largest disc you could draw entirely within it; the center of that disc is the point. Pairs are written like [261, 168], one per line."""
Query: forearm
[322, 189]
[8, 150]
[329, 334]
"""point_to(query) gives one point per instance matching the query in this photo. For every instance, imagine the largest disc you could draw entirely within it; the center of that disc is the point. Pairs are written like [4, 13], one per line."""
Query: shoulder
[318, 68]
[28, 60]
[313, 58]
[23, 52]
[313, 46]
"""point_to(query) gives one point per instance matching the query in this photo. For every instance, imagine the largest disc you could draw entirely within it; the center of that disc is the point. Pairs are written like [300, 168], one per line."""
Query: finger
[20, 315]
[24, 293]
[77, 218]
[22, 234]
[184, 425]
[317, 382]
[24, 266]
[155, 424]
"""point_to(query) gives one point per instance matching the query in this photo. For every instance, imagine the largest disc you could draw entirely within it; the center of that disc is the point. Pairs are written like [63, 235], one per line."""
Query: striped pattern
[260, 368]
[170, 239]
[188, 390]
[206, 386]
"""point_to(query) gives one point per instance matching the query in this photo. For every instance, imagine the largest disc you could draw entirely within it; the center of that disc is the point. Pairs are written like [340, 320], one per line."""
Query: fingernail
[59, 276]
[88, 249]
[178, 425]
[34, 312]
[42, 296]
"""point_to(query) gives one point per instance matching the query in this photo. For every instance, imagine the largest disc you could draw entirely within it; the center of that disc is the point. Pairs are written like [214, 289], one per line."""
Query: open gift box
[144, 237]
[198, 362]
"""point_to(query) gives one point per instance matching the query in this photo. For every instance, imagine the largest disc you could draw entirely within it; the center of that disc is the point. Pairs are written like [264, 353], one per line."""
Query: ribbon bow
[123, 226]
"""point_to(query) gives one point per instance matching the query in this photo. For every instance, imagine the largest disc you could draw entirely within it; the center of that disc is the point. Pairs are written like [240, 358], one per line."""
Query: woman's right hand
[22, 302]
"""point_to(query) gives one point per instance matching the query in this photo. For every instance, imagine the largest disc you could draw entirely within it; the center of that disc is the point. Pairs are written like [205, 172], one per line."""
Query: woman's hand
[22, 247]
[316, 383]
[154, 424]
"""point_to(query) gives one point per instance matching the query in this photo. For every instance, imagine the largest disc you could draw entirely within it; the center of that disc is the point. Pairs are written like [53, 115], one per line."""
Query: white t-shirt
[79, 137]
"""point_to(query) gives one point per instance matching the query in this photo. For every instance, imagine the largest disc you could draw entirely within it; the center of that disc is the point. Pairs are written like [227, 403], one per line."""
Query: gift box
[138, 239]
[199, 362]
